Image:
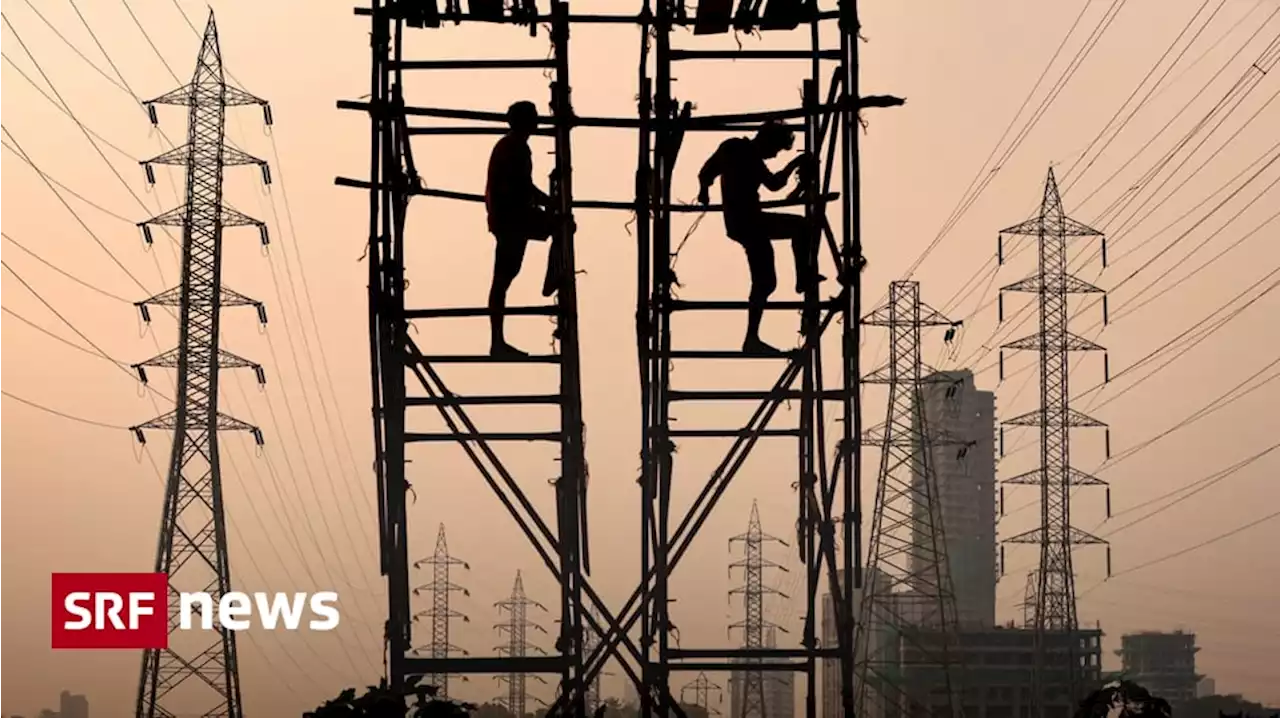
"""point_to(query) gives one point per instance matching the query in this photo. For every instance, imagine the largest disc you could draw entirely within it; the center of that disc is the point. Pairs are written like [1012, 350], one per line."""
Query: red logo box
[110, 610]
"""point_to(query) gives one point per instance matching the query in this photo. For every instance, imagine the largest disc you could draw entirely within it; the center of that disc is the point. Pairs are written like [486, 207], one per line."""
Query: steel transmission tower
[908, 613]
[517, 627]
[702, 688]
[193, 537]
[1053, 596]
[753, 624]
[441, 613]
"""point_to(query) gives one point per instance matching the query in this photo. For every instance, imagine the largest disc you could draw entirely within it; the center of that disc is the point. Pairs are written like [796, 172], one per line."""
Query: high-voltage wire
[517, 627]
[194, 520]
[753, 624]
[1054, 608]
[441, 613]
[908, 611]
[702, 688]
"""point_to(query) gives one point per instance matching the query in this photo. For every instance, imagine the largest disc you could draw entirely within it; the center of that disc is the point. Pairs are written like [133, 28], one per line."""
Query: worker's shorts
[757, 236]
[531, 224]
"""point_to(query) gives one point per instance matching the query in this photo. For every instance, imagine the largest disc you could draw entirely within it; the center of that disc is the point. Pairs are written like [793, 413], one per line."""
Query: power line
[63, 414]
[63, 272]
[1198, 546]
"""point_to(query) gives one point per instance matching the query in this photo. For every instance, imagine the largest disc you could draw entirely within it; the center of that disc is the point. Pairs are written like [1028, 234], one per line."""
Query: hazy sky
[81, 497]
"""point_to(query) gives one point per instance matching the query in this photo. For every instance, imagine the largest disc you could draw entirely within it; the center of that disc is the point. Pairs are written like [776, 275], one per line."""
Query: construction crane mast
[192, 548]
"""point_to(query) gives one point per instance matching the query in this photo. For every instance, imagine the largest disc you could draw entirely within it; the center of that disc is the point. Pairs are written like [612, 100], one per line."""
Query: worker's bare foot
[501, 349]
[803, 287]
[757, 347]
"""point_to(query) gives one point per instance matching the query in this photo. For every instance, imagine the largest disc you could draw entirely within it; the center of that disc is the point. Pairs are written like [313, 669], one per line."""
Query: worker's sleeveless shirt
[742, 171]
[507, 194]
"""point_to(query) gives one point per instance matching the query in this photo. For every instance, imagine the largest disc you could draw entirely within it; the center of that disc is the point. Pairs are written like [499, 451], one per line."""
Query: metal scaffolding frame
[828, 472]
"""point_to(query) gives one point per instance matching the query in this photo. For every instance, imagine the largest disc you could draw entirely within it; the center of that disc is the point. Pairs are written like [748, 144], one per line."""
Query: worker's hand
[704, 197]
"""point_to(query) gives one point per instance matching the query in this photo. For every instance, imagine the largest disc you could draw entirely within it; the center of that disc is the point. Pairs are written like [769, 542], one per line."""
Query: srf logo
[110, 610]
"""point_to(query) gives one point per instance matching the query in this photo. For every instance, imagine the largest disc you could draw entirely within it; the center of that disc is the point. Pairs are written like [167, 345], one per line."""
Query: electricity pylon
[441, 613]
[1054, 607]
[193, 535]
[753, 624]
[908, 611]
[702, 688]
[517, 627]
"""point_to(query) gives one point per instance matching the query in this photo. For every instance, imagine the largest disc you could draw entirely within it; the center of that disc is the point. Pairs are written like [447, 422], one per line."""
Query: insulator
[266, 174]
[142, 373]
[1108, 440]
[1001, 559]
[1104, 252]
[139, 435]
[266, 115]
[1106, 312]
[151, 173]
[261, 374]
[1106, 368]
[262, 313]
[262, 231]
[146, 234]
[151, 113]
[1108, 502]
[1000, 250]
[1002, 499]
[1001, 365]
[1000, 307]
[1002, 442]
[257, 436]
[1108, 561]
[144, 311]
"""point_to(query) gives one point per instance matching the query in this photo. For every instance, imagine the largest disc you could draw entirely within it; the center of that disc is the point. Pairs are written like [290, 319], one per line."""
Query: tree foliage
[416, 701]
[1132, 700]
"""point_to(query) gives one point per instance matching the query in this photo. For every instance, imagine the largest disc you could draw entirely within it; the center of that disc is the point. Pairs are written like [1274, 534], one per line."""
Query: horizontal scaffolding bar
[732, 666]
[418, 437]
[586, 19]
[461, 131]
[686, 305]
[491, 359]
[516, 64]
[577, 204]
[483, 664]
[454, 312]
[704, 123]
[512, 400]
[758, 395]
[753, 54]
[724, 354]
[731, 653]
[731, 433]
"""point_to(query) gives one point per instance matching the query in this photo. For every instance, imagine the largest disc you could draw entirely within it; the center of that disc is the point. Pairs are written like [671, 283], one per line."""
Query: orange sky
[80, 497]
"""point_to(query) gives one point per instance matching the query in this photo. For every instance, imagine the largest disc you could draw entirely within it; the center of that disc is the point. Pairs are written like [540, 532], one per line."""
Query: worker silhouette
[739, 164]
[518, 212]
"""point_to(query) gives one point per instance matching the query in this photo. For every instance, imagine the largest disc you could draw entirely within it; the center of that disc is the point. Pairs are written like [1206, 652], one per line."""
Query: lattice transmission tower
[517, 627]
[1052, 597]
[441, 613]
[702, 688]
[753, 625]
[908, 610]
[193, 536]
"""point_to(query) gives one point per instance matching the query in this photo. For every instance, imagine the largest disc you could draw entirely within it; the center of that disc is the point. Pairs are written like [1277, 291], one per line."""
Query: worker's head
[523, 117]
[774, 137]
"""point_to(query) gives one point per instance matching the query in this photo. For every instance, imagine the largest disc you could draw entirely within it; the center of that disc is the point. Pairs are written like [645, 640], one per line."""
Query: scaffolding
[827, 477]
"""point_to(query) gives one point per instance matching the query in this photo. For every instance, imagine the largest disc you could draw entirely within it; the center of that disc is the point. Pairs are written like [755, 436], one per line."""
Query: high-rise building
[880, 644]
[965, 468]
[72, 705]
[1206, 687]
[1163, 663]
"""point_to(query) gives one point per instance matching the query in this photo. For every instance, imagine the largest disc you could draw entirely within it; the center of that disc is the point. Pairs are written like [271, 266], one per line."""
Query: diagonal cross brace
[544, 542]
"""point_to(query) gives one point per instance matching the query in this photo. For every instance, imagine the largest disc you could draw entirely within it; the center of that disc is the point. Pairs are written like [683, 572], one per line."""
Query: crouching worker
[518, 212]
[739, 164]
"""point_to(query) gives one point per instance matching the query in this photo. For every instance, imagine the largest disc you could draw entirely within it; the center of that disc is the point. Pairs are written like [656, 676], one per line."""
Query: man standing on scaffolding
[739, 164]
[518, 212]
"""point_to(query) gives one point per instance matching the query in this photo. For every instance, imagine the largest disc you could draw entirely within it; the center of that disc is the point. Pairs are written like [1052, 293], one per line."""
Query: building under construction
[1162, 662]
